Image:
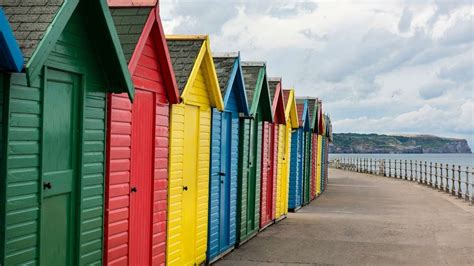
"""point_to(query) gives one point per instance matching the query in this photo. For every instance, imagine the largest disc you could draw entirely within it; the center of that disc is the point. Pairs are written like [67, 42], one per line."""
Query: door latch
[221, 173]
[185, 188]
[134, 189]
[47, 185]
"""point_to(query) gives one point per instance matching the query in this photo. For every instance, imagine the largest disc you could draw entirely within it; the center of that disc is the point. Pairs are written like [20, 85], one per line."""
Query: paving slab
[370, 220]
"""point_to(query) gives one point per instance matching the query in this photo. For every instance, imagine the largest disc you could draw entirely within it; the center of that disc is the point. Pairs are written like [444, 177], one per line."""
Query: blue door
[301, 159]
[225, 180]
[222, 183]
[294, 196]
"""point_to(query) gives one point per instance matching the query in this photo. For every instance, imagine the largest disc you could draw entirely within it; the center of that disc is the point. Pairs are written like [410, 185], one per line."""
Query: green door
[60, 169]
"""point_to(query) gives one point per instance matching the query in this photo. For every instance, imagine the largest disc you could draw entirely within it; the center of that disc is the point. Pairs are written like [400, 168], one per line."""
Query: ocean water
[451, 158]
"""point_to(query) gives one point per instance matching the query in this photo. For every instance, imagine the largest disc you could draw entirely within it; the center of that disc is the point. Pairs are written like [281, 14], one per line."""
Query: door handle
[185, 188]
[47, 185]
[221, 173]
[134, 189]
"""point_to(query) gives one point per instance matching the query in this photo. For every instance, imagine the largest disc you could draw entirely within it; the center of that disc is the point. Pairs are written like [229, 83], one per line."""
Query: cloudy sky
[393, 67]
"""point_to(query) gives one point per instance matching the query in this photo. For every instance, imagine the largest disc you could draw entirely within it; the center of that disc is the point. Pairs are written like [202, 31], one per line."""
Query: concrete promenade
[365, 219]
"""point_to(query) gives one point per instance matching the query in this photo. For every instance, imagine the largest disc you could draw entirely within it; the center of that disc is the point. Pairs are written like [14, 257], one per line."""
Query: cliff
[374, 143]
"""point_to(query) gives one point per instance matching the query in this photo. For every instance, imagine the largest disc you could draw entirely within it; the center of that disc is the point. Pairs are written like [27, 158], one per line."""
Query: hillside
[374, 143]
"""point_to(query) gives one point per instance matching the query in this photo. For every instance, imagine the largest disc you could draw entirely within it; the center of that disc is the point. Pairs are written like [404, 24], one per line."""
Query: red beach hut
[270, 155]
[137, 152]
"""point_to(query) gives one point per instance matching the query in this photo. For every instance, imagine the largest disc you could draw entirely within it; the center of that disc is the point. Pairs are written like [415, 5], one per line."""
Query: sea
[452, 158]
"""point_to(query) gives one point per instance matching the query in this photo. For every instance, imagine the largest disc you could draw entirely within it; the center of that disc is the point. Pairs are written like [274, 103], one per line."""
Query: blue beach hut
[295, 195]
[224, 156]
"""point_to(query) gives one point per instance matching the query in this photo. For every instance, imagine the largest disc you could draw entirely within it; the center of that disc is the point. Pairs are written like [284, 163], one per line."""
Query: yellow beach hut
[190, 127]
[291, 116]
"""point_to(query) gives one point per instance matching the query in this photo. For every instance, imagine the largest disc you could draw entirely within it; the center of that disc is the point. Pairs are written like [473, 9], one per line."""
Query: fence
[453, 179]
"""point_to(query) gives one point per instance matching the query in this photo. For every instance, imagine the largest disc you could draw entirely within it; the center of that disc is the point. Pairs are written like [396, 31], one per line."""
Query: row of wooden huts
[122, 146]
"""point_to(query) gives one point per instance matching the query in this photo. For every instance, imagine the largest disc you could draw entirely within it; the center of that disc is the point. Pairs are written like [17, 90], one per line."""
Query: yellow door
[318, 176]
[186, 187]
[190, 156]
[281, 189]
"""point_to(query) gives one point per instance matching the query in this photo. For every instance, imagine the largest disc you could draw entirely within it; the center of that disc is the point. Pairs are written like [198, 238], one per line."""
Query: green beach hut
[52, 146]
[250, 149]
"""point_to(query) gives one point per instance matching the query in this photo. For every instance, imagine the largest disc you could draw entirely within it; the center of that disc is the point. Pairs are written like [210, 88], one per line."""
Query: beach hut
[310, 182]
[319, 132]
[250, 149]
[190, 130]
[224, 156]
[315, 151]
[291, 115]
[54, 132]
[11, 58]
[137, 150]
[295, 196]
[271, 200]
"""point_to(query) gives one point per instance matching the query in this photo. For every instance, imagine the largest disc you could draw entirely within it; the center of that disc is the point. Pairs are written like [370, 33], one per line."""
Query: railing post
[431, 174]
[459, 183]
[401, 169]
[389, 168]
[421, 173]
[406, 170]
[453, 183]
[411, 170]
[416, 171]
[469, 194]
[440, 177]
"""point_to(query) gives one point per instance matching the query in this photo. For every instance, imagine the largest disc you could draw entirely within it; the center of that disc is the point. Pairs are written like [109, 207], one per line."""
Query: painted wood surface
[137, 176]
[30, 183]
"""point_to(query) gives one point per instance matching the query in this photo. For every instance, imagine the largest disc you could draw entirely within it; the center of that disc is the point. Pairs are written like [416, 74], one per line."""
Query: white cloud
[388, 67]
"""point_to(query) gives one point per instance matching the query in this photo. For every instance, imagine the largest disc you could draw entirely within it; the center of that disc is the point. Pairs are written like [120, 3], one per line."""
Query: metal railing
[453, 179]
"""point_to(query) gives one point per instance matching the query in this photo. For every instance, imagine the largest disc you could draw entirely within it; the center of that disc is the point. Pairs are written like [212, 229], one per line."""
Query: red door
[141, 178]
[266, 186]
[314, 155]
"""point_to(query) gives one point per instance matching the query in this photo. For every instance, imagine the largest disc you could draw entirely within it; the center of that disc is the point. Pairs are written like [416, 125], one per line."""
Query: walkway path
[364, 219]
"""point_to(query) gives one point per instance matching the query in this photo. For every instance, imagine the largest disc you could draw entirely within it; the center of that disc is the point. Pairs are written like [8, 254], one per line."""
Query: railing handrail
[433, 174]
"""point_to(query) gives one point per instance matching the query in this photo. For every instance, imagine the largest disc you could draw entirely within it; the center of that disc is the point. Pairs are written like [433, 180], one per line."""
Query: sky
[391, 67]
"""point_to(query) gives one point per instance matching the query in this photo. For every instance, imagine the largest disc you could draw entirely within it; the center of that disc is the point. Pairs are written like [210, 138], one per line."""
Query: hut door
[141, 185]
[268, 139]
[190, 158]
[225, 180]
[61, 135]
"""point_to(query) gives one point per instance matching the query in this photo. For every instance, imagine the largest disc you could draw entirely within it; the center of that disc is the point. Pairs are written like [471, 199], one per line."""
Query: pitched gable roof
[290, 107]
[224, 65]
[11, 58]
[39, 24]
[256, 86]
[278, 103]
[303, 116]
[183, 55]
[250, 78]
[30, 20]
[188, 54]
[229, 73]
[312, 111]
[129, 22]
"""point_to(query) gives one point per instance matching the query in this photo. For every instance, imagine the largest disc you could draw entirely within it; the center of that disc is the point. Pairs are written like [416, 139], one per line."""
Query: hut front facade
[250, 149]
[225, 156]
[309, 182]
[54, 131]
[291, 115]
[138, 133]
[277, 137]
[190, 135]
[297, 170]
[320, 130]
